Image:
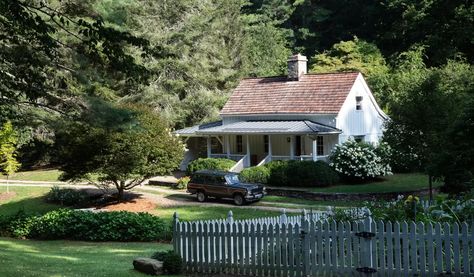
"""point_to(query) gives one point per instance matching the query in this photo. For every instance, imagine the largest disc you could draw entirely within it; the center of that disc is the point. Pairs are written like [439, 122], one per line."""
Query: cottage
[296, 117]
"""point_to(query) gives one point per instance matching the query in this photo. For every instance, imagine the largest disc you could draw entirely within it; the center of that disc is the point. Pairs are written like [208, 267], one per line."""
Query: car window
[232, 179]
[198, 179]
[219, 180]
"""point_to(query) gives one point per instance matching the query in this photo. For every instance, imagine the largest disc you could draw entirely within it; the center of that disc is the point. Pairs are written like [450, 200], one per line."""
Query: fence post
[230, 217]
[176, 233]
[304, 227]
[366, 241]
[283, 217]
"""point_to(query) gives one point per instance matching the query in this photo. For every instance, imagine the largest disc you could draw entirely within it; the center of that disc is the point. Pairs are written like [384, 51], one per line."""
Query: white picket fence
[305, 245]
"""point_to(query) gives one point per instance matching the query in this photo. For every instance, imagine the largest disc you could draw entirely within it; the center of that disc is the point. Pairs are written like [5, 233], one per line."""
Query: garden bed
[323, 196]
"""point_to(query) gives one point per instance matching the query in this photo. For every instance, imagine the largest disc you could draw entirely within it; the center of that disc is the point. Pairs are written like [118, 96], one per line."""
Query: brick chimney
[296, 66]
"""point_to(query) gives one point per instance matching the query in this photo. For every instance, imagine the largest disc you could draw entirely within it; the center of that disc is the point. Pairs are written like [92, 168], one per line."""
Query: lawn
[49, 175]
[393, 183]
[71, 258]
[30, 199]
[212, 212]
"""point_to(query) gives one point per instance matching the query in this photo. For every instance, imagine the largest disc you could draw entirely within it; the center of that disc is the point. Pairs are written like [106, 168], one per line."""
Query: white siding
[367, 122]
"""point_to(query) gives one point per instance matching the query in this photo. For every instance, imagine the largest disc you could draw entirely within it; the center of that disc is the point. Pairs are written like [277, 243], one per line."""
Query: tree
[354, 55]
[122, 150]
[8, 141]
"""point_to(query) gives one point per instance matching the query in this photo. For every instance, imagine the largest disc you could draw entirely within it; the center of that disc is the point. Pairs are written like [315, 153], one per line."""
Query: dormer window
[358, 103]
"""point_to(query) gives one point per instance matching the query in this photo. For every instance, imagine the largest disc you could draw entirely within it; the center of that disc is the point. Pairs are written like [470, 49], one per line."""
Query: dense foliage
[360, 160]
[301, 174]
[411, 209]
[67, 196]
[8, 152]
[87, 226]
[182, 183]
[122, 156]
[211, 164]
[172, 262]
[255, 174]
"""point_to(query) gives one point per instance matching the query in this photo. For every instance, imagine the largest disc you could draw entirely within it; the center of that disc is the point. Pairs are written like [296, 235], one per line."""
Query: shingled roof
[311, 94]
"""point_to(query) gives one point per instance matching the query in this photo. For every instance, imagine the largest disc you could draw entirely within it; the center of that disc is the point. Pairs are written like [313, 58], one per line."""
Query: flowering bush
[360, 160]
[182, 183]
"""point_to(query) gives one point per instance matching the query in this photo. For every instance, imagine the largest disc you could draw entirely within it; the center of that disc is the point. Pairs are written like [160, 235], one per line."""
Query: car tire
[201, 196]
[239, 199]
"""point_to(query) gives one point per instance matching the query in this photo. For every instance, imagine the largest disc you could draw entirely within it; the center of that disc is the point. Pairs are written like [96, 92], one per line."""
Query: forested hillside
[62, 59]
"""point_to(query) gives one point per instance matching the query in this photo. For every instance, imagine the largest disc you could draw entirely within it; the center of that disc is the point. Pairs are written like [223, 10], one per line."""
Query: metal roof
[261, 127]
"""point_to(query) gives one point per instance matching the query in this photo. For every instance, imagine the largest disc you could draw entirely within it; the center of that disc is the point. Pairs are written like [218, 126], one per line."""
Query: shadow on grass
[31, 205]
[71, 258]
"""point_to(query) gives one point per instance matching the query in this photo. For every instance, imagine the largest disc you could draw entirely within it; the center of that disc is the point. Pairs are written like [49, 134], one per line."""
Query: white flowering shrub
[360, 160]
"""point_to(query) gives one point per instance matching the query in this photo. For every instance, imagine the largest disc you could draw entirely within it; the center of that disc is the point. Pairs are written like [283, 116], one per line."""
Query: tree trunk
[120, 190]
[431, 187]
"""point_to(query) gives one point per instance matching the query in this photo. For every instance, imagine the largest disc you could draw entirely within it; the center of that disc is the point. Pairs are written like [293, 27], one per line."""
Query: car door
[214, 186]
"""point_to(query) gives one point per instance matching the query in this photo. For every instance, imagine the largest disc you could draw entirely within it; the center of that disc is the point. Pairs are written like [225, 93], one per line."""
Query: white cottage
[296, 117]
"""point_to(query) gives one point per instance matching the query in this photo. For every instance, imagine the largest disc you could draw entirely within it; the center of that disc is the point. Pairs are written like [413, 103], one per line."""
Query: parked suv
[219, 184]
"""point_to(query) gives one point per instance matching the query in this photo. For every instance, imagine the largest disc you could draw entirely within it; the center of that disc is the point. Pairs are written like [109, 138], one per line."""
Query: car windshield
[232, 179]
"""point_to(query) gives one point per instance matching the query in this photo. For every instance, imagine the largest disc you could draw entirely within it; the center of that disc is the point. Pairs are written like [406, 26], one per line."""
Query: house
[296, 117]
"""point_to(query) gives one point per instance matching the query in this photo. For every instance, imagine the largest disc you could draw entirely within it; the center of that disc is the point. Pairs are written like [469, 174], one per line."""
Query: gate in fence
[309, 245]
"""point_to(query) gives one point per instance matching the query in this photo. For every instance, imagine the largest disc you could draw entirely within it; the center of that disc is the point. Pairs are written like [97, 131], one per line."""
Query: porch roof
[259, 127]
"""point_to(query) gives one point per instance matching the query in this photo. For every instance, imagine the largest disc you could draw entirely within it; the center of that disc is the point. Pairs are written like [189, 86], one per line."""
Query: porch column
[292, 147]
[315, 149]
[270, 146]
[227, 145]
[209, 148]
[248, 150]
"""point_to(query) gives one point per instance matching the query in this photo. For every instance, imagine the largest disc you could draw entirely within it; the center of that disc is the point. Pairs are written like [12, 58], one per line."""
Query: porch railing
[234, 157]
[240, 165]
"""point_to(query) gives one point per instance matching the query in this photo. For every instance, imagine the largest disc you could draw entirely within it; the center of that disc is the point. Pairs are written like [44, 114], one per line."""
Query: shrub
[89, 226]
[361, 161]
[278, 173]
[256, 174]
[301, 174]
[172, 263]
[210, 163]
[67, 196]
[182, 183]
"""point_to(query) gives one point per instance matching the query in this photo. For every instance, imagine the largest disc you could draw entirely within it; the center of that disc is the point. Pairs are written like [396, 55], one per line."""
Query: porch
[257, 150]
[255, 143]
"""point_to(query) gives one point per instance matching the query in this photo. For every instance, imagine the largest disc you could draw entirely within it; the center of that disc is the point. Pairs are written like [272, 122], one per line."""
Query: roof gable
[312, 94]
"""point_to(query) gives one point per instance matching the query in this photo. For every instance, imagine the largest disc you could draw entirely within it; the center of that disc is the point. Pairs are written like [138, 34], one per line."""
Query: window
[265, 144]
[239, 144]
[359, 138]
[320, 146]
[358, 103]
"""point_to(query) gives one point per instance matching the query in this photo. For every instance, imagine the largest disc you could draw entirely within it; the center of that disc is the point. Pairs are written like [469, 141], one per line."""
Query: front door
[298, 146]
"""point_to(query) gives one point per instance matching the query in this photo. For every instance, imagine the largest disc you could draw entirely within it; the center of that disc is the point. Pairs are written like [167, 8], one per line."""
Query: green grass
[50, 175]
[291, 202]
[30, 199]
[393, 183]
[209, 212]
[71, 258]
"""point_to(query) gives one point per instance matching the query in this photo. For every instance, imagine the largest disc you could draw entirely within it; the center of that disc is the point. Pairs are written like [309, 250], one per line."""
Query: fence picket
[429, 239]
[348, 234]
[413, 248]
[447, 247]
[405, 249]
[456, 252]
[422, 249]
[388, 233]
[439, 248]
[397, 248]
[465, 250]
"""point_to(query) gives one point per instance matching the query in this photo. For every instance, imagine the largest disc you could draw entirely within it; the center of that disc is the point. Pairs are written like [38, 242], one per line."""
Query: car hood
[248, 185]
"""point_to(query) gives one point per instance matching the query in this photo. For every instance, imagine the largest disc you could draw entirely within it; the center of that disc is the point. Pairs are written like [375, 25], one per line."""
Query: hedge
[211, 164]
[256, 174]
[301, 174]
[87, 226]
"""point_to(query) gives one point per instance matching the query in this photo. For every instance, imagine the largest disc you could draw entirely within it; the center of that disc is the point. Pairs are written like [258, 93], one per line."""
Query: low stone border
[322, 196]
